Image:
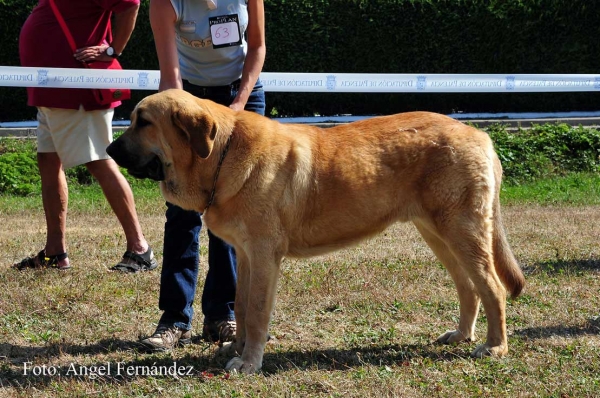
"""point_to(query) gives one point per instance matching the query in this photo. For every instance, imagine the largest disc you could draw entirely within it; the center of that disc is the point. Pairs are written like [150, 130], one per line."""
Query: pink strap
[65, 28]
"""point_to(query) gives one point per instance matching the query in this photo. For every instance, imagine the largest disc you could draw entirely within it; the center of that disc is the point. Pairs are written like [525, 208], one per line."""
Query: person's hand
[92, 53]
[236, 106]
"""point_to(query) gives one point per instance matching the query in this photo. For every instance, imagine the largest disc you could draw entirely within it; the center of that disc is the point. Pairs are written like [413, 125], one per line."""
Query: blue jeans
[179, 274]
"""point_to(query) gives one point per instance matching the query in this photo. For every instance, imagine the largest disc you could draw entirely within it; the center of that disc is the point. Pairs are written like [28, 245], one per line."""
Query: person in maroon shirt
[73, 129]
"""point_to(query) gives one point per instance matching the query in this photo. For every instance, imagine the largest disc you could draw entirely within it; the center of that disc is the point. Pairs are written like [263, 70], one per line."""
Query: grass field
[357, 323]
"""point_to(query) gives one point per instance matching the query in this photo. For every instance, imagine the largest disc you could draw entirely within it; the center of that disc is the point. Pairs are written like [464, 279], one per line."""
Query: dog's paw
[227, 350]
[237, 365]
[454, 337]
[485, 350]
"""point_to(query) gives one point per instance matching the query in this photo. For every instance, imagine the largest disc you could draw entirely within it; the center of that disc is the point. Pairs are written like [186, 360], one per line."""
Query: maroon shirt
[42, 44]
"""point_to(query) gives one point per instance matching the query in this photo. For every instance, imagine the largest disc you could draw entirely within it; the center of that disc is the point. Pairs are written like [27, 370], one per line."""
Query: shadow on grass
[560, 266]
[591, 327]
[203, 367]
[17, 353]
[351, 359]
[27, 371]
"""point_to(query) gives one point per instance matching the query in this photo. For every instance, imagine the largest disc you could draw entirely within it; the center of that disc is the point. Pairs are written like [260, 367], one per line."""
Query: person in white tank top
[214, 49]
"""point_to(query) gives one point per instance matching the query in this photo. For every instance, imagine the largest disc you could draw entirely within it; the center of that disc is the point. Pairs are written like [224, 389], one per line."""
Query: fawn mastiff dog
[274, 190]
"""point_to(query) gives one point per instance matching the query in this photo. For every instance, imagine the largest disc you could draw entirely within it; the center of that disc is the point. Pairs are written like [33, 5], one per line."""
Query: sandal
[42, 261]
[132, 262]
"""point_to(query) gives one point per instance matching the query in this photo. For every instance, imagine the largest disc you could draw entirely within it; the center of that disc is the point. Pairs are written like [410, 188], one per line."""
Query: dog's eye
[141, 122]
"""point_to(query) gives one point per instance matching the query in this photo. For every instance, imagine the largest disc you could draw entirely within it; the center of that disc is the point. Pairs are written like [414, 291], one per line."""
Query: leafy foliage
[543, 151]
[387, 36]
[18, 174]
[80, 174]
[546, 150]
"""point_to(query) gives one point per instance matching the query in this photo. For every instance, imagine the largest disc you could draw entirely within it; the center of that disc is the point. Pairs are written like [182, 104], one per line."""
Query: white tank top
[200, 63]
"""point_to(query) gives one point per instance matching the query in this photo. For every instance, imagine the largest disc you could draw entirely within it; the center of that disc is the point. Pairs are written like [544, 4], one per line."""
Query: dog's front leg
[258, 273]
[241, 299]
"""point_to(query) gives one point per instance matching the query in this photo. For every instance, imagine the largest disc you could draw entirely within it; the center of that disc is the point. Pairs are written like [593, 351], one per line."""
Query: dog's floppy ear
[199, 126]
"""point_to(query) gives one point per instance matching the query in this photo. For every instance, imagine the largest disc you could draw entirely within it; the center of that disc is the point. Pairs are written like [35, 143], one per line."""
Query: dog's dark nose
[115, 150]
[136, 166]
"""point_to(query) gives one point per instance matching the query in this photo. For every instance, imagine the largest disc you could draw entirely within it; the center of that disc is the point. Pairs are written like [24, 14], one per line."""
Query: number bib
[225, 31]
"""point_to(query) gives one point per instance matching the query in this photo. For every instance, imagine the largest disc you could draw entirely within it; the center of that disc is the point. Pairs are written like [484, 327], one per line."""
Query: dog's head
[168, 130]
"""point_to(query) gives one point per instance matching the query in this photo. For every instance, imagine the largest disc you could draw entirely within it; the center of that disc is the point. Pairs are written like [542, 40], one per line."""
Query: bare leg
[55, 198]
[120, 197]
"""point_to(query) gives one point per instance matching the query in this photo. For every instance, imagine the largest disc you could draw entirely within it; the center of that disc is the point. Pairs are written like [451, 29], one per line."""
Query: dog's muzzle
[152, 169]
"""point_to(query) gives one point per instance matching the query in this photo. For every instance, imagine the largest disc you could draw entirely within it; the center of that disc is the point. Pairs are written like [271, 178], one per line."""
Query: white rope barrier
[11, 76]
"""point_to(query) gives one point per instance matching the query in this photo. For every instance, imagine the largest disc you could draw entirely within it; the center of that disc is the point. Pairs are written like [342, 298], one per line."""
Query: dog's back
[359, 178]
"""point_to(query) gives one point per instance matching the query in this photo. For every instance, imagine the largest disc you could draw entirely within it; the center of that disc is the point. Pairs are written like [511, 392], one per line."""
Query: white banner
[12, 76]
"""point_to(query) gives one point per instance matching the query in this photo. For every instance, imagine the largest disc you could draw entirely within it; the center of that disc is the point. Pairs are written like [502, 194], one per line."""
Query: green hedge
[546, 151]
[391, 36]
[543, 151]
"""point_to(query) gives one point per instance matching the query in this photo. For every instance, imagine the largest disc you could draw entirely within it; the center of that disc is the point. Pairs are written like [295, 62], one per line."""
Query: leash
[214, 188]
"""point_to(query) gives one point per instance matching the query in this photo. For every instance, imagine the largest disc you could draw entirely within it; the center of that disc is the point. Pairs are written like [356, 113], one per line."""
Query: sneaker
[167, 337]
[219, 331]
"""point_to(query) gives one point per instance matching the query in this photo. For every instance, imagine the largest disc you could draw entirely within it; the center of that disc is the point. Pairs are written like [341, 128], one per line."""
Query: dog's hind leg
[468, 298]
[470, 241]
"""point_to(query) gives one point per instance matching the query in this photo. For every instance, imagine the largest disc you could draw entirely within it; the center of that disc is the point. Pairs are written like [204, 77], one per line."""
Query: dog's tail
[506, 264]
